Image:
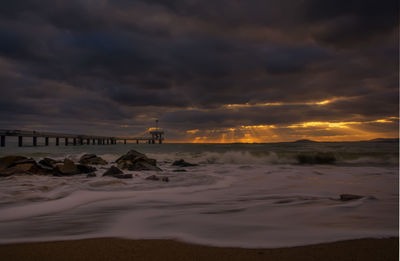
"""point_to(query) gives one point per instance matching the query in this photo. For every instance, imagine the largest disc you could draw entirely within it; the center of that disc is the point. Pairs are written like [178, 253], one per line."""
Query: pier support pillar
[124, 141]
[108, 141]
[66, 141]
[34, 141]
[74, 141]
[137, 141]
[3, 141]
[46, 141]
[57, 141]
[19, 141]
[80, 141]
[88, 141]
[160, 141]
[93, 141]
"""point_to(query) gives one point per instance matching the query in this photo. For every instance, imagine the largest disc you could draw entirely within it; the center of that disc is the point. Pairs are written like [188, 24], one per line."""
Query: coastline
[367, 249]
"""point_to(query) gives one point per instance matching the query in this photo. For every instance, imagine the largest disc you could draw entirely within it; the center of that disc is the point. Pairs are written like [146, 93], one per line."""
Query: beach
[285, 201]
[122, 249]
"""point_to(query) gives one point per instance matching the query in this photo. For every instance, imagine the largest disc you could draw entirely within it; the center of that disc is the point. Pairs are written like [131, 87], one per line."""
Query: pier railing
[75, 139]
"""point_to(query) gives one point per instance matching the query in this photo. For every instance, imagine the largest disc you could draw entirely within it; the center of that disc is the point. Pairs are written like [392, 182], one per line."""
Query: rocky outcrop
[92, 159]
[7, 161]
[117, 173]
[182, 163]
[85, 169]
[51, 163]
[179, 170]
[156, 178]
[348, 197]
[12, 165]
[113, 171]
[67, 168]
[152, 177]
[136, 161]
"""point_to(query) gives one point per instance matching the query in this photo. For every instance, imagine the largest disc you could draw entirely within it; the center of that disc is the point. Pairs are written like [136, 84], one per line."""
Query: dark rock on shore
[348, 197]
[92, 159]
[12, 165]
[319, 158]
[91, 175]
[182, 163]
[153, 177]
[123, 176]
[51, 163]
[117, 173]
[165, 179]
[112, 171]
[136, 161]
[179, 170]
[85, 169]
[7, 161]
[68, 168]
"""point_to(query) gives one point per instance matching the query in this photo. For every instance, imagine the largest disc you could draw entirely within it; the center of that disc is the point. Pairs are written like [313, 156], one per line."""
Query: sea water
[239, 195]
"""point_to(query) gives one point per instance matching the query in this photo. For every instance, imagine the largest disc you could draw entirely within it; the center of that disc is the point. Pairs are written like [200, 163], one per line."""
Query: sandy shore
[123, 249]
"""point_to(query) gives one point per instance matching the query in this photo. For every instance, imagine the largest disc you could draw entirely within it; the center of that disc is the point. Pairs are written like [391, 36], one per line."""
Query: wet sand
[124, 249]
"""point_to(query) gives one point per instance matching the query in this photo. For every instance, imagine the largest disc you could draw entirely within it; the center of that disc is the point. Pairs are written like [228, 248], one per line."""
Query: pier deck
[74, 139]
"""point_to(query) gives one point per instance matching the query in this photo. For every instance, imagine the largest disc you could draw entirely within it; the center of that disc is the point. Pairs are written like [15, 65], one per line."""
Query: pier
[156, 136]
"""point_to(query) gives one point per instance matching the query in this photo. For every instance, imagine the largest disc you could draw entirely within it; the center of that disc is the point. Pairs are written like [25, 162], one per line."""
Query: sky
[209, 71]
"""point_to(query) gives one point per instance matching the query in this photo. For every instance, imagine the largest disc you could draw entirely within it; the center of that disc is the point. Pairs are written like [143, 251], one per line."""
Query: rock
[136, 161]
[348, 197]
[165, 179]
[7, 161]
[179, 170]
[91, 175]
[123, 176]
[13, 171]
[68, 168]
[319, 158]
[29, 166]
[182, 163]
[85, 169]
[113, 171]
[153, 177]
[48, 162]
[92, 159]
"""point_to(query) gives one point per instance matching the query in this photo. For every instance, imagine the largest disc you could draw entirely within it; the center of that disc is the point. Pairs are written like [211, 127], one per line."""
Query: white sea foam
[228, 205]
[239, 195]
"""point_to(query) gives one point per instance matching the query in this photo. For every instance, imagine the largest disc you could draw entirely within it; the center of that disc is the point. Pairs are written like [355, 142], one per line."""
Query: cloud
[130, 62]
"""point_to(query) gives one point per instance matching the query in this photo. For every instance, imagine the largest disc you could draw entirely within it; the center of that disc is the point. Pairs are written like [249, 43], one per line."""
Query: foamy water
[244, 196]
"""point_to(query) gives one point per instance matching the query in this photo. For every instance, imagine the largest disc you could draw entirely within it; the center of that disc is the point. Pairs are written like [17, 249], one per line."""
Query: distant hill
[305, 141]
[385, 140]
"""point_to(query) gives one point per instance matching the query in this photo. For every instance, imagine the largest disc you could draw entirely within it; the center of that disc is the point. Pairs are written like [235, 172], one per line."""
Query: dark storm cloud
[183, 61]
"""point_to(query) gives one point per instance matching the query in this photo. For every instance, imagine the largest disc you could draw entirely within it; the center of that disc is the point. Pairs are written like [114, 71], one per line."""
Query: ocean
[239, 195]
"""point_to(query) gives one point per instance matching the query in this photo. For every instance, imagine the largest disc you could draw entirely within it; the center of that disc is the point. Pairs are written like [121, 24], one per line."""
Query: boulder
[85, 169]
[123, 176]
[348, 197]
[179, 170]
[7, 161]
[13, 171]
[29, 166]
[136, 161]
[68, 168]
[113, 171]
[182, 163]
[153, 177]
[48, 162]
[92, 159]
[165, 179]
